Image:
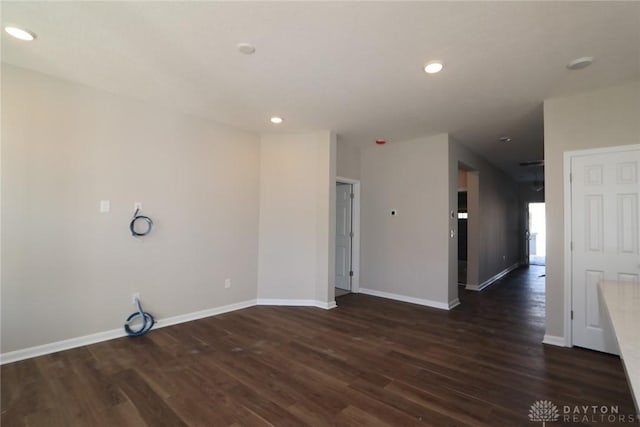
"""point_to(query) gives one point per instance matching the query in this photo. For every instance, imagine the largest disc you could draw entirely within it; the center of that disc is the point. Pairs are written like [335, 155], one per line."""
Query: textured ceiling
[352, 67]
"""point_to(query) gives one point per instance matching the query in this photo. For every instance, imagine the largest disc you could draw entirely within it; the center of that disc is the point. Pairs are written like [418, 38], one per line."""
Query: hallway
[489, 351]
[518, 299]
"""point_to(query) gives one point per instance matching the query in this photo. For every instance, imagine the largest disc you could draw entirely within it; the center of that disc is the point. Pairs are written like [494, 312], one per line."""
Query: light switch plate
[105, 206]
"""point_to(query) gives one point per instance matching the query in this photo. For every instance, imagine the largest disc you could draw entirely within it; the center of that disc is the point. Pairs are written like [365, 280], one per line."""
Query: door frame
[528, 230]
[355, 242]
[526, 235]
[568, 260]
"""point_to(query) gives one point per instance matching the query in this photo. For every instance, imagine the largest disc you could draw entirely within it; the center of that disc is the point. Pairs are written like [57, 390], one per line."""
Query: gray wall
[406, 254]
[226, 204]
[297, 210]
[348, 161]
[602, 118]
[412, 254]
[68, 270]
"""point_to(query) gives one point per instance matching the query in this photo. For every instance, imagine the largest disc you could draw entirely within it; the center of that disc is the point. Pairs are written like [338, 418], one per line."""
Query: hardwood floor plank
[265, 408]
[468, 411]
[153, 410]
[356, 417]
[409, 407]
[213, 405]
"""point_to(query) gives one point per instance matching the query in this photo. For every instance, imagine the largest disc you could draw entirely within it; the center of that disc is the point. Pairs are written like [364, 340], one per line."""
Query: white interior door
[343, 235]
[605, 235]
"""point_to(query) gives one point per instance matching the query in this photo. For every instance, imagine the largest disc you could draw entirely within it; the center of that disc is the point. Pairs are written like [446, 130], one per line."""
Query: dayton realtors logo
[545, 411]
[597, 414]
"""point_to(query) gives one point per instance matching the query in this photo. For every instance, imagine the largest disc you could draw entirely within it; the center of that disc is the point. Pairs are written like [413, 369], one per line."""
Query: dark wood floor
[370, 362]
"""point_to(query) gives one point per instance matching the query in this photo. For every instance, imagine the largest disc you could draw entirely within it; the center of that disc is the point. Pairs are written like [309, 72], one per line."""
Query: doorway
[536, 233]
[463, 215]
[347, 236]
[467, 229]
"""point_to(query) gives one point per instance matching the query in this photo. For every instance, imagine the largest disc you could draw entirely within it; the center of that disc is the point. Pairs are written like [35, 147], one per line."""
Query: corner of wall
[297, 192]
[66, 147]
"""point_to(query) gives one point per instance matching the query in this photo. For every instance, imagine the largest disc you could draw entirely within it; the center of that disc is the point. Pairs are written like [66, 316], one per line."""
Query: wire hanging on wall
[147, 321]
[145, 219]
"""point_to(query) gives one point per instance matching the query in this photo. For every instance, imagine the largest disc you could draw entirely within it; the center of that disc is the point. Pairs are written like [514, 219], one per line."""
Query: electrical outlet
[227, 283]
[135, 297]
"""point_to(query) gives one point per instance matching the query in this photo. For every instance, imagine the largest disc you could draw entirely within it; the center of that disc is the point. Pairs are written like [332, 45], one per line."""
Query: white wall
[406, 254]
[297, 217]
[68, 270]
[494, 233]
[348, 161]
[602, 118]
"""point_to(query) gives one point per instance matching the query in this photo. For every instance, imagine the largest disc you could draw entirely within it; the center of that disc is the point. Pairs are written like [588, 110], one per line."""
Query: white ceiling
[352, 67]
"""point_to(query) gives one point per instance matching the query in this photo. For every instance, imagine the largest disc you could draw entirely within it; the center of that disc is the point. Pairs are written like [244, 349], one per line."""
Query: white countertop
[622, 300]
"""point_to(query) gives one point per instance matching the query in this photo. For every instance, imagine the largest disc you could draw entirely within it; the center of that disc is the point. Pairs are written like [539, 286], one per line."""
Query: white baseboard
[297, 303]
[39, 350]
[404, 298]
[490, 281]
[174, 320]
[454, 303]
[327, 305]
[554, 340]
[27, 353]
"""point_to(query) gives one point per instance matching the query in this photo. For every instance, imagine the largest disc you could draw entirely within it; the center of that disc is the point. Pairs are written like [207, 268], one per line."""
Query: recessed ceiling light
[505, 139]
[19, 33]
[580, 63]
[433, 67]
[276, 120]
[246, 48]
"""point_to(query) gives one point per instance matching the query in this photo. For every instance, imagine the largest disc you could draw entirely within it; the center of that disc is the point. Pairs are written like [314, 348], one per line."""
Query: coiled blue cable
[132, 224]
[147, 321]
